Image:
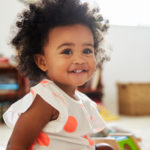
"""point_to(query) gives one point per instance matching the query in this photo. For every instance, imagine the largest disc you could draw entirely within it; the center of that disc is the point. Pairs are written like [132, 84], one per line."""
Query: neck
[70, 90]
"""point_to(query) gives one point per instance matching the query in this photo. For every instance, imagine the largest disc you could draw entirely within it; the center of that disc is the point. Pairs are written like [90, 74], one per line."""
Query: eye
[87, 51]
[67, 51]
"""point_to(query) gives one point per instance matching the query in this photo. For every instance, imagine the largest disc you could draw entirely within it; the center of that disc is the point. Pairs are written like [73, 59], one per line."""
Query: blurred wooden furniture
[93, 88]
[134, 98]
[12, 83]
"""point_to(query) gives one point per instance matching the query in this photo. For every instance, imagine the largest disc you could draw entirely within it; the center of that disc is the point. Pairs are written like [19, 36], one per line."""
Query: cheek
[93, 65]
[56, 67]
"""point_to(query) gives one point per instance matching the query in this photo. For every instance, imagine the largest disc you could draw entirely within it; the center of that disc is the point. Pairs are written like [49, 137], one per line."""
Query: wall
[8, 13]
[130, 60]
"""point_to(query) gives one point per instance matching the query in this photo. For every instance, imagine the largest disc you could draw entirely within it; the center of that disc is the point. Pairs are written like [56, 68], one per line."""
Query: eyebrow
[65, 44]
[88, 44]
[72, 44]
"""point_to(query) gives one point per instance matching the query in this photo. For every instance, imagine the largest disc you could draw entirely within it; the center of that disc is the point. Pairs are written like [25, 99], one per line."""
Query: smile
[78, 71]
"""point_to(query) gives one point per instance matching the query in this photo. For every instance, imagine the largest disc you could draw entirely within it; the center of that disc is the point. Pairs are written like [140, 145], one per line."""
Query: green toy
[126, 143]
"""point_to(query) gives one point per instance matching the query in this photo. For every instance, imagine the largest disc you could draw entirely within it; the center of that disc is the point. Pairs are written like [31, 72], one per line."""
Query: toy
[119, 141]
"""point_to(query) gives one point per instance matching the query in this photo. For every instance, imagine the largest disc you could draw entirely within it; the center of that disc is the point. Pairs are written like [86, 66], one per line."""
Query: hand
[103, 146]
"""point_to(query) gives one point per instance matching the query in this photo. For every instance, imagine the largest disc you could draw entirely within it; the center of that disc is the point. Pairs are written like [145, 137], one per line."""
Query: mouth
[78, 71]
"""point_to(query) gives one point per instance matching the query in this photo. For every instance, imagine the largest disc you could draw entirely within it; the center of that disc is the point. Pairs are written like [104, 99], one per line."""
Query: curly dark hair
[35, 23]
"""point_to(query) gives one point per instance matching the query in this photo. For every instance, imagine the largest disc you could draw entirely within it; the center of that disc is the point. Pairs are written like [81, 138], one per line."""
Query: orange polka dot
[32, 92]
[44, 82]
[85, 136]
[43, 139]
[91, 142]
[32, 146]
[91, 118]
[71, 124]
[81, 105]
[59, 97]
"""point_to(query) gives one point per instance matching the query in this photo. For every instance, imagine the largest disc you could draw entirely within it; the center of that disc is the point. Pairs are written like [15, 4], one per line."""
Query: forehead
[70, 33]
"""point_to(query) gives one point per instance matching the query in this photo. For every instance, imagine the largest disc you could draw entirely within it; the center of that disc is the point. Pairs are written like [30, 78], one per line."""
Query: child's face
[69, 58]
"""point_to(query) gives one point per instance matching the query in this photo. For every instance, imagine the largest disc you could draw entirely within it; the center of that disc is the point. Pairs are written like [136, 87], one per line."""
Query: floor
[139, 126]
[5, 133]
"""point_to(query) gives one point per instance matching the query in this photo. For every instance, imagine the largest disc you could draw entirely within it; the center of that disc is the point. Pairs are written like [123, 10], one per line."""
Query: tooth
[78, 71]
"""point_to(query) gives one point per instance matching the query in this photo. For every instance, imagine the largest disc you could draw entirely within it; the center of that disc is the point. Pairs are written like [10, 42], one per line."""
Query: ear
[40, 62]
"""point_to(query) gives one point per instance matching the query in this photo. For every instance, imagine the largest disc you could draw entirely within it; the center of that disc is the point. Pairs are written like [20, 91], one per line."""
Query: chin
[80, 84]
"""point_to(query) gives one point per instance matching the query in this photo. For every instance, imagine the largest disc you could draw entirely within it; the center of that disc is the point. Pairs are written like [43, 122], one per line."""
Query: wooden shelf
[9, 71]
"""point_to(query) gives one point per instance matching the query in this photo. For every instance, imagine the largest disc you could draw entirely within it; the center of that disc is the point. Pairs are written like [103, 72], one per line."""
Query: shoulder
[41, 109]
[47, 90]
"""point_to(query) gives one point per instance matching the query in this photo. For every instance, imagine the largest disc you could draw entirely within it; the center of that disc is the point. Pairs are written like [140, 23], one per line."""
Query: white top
[77, 119]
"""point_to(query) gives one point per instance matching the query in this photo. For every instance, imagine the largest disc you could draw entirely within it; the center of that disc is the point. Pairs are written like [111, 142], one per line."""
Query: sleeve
[49, 94]
[46, 93]
[14, 111]
[97, 122]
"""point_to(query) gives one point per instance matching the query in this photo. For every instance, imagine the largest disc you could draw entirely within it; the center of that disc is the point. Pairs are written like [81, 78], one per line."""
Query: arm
[30, 124]
[103, 146]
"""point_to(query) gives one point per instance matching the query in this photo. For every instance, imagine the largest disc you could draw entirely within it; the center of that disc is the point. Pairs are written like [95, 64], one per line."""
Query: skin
[104, 146]
[69, 61]
[73, 48]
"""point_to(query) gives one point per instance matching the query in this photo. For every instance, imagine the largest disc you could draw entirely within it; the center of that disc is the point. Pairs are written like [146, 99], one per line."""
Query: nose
[78, 59]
